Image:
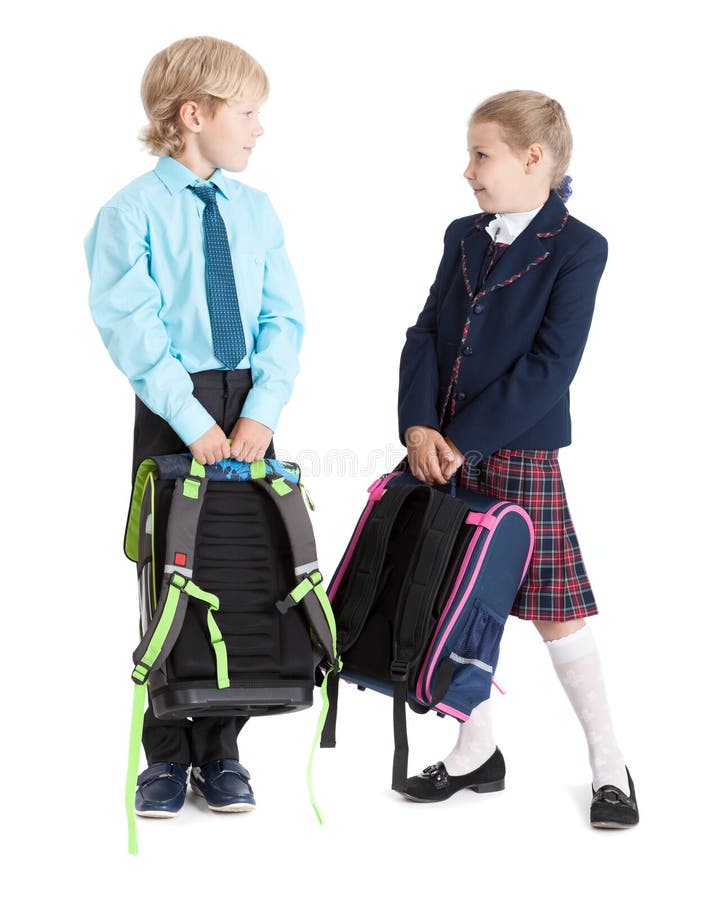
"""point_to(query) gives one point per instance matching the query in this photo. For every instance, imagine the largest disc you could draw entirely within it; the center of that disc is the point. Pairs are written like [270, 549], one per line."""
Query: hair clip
[564, 191]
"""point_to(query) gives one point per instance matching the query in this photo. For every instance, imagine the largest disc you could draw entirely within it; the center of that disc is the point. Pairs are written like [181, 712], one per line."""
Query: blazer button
[467, 351]
[478, 308]
[461, 396]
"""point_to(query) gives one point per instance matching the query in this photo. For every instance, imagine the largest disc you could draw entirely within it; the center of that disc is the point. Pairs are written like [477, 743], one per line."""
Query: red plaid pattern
[557, 587]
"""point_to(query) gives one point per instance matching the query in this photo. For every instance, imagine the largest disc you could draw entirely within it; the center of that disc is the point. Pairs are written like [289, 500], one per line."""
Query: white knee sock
[578, 666]
[475, 743]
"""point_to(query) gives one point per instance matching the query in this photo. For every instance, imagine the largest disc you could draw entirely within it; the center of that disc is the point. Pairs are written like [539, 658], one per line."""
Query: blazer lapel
[474, 246]
[531, 248]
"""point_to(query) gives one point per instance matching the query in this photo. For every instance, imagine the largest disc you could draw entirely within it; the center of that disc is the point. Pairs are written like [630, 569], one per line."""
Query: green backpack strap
[289, 500]
[166, 623]
[177, 585]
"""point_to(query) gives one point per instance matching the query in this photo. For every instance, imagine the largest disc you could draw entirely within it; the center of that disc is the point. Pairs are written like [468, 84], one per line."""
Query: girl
[484, 392]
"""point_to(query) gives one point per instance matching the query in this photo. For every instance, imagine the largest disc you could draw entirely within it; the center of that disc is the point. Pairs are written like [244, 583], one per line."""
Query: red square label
[180, 559]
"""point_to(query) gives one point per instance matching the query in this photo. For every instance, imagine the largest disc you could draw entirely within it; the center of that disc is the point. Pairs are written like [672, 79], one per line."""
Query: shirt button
[461, 396]
[257, 260]
[467, 351]
[478, 308]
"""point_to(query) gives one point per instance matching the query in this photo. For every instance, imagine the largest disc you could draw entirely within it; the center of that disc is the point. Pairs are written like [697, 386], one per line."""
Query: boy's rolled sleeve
[126, 306]
[275, 360]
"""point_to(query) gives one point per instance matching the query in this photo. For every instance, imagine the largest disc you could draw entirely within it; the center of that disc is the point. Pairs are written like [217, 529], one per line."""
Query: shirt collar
[505, 227]
[176, 177]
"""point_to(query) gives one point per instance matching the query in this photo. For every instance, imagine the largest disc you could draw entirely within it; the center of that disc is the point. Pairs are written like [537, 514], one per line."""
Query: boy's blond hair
[528, 117]
[207, 70]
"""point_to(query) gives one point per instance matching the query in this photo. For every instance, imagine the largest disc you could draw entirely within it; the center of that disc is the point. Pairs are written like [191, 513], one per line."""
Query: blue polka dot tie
[228, 338]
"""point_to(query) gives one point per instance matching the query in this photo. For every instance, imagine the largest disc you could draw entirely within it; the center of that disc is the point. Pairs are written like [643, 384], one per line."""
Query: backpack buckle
[299, 591]
[178, 580]
[399, 671]
[284, 604]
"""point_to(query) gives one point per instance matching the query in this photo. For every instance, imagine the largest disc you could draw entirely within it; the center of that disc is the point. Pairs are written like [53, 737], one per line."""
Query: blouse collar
[505, 227]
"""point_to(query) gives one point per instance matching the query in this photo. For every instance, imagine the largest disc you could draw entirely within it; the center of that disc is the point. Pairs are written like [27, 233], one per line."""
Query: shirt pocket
[249, 269]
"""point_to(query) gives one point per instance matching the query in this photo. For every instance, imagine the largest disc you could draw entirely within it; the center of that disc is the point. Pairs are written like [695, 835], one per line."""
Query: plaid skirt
[556, 586]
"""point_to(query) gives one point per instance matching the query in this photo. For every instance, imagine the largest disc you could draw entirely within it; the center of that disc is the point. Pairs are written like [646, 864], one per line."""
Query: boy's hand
[211, 447]
[429, 454]
[250, 439]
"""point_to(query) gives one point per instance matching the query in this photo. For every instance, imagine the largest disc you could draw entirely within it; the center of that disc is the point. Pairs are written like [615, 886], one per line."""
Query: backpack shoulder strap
[289, 501]
[367, 562]
[166, 623]
[177, 585]
[442, 521]
[362, 580]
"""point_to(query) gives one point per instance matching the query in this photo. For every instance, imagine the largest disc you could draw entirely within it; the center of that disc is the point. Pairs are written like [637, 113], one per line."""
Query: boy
[197, 304]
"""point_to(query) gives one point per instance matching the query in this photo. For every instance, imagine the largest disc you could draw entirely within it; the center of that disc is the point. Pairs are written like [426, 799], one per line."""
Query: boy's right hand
[212, 447]
[428, 453]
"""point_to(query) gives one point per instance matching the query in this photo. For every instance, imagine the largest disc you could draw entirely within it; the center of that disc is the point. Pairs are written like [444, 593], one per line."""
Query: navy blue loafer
[161, 790]
[225, 785]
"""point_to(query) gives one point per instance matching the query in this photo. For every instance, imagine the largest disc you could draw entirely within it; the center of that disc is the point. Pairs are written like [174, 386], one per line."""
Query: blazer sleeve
[418, 368]
[517, 400]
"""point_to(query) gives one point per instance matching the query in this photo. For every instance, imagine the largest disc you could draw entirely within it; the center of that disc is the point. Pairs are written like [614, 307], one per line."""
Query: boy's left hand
[249, 440]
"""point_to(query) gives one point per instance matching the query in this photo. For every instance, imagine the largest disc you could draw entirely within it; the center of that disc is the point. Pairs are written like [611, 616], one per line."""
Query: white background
[363, 158]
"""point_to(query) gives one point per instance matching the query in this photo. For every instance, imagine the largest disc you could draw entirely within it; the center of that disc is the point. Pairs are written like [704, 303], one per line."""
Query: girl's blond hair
[528, 117]
[206, 70]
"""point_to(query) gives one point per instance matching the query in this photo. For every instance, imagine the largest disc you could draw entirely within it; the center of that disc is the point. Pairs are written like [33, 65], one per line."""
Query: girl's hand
[211, 447]
[450, 468]
[250, 439]
[428, 454]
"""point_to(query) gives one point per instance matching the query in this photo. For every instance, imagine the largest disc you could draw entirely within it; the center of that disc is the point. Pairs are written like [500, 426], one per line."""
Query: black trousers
[185, 741]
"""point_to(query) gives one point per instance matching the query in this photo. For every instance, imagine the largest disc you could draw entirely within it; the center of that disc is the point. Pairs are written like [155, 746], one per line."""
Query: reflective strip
[183, 570]
[148, 524]
[309, 567]
[471, 662]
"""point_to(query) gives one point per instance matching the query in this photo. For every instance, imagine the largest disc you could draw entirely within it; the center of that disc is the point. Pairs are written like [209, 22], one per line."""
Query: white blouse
[505, 227]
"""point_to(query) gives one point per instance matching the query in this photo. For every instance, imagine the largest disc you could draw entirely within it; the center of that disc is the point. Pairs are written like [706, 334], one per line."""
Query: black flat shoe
[611, 808]
[435, 783]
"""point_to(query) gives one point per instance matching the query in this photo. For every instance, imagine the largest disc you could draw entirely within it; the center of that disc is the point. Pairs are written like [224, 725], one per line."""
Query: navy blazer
[527, 331]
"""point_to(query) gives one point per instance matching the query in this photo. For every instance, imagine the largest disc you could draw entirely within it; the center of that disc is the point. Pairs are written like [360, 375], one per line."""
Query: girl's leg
[475, 763]
[576, 661]
[475, 742]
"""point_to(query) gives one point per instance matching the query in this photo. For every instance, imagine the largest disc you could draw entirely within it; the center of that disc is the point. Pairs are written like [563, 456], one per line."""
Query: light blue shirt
[148, 294]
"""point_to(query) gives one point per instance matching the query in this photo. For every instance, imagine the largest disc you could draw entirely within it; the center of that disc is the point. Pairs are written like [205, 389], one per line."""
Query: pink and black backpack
[421, 596]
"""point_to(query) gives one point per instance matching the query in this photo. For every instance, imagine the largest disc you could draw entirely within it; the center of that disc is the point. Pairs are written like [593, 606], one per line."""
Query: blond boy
[210, 378]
